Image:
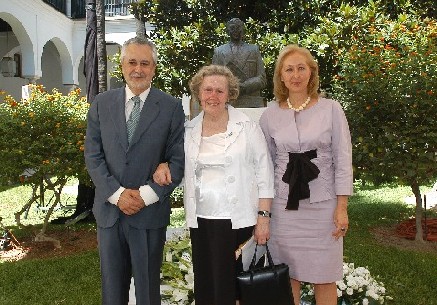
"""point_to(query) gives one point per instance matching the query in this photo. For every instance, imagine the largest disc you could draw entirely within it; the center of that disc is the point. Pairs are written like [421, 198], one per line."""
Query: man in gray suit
[245, 61]
[130, 131]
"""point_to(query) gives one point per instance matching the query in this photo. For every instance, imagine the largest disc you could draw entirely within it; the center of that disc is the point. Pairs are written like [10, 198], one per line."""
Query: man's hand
[130, 202]
[162, 175]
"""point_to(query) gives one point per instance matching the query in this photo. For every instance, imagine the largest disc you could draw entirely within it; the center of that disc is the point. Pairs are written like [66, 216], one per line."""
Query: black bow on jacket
[300, 170]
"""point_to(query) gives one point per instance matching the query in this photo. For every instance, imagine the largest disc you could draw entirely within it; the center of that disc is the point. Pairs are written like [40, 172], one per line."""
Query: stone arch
[27, 46]
[66, 61]
[78, 74]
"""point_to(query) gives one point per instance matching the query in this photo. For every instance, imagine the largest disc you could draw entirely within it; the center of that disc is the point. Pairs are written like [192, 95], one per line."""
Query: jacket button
[228, 159]
[234, 200]
[231, 179]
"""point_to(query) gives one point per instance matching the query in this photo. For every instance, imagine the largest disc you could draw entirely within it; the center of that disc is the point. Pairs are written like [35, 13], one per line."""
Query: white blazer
[248, 168]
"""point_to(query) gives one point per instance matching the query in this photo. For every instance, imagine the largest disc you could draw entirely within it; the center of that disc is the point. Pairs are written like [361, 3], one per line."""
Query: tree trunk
[140, 27]
[101, 45]
[419, 211]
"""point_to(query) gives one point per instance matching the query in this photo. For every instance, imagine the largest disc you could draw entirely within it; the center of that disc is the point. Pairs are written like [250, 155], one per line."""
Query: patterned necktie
[134, 117]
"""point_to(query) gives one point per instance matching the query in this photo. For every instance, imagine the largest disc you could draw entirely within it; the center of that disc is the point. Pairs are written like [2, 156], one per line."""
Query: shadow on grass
[8, 187]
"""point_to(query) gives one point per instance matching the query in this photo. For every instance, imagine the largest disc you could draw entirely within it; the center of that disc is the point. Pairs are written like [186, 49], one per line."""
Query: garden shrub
[44, 133]
[387, 84]
[42, 143]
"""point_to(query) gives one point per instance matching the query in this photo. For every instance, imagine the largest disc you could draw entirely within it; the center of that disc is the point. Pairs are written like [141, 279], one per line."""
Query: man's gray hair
[140, 41]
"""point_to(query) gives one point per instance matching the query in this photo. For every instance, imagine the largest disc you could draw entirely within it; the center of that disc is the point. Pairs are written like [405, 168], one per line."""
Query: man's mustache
[136, 74]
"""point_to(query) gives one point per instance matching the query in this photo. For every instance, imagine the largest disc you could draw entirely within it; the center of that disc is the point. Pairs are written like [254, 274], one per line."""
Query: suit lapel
[235, 126]
[227, 54]
[194, 129]
[196, 134]
[117, 110]
[245, 54]
[148, 114]
[240, 60]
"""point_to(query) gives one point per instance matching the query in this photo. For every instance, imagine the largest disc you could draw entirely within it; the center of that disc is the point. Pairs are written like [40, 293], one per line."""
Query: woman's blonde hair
[279, 89]
[196, 81]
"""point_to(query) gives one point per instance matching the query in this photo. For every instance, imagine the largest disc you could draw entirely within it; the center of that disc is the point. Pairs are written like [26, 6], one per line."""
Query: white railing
[117, 7]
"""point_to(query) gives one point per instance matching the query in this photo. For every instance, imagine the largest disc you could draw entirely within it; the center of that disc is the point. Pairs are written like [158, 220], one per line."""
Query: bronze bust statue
[245, 61]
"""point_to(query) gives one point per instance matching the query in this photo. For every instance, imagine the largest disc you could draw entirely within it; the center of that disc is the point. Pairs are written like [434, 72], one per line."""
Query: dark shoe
[79, 218]
[60, 220]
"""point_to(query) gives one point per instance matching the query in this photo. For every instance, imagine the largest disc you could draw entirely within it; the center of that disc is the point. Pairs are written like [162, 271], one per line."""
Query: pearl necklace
[302, 107]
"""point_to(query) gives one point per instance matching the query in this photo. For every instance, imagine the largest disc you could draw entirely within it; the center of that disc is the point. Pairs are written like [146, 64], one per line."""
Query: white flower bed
[358, 287]
[177, 276]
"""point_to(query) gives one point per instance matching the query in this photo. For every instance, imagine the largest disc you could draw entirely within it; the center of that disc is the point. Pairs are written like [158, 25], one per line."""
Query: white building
[44, 40]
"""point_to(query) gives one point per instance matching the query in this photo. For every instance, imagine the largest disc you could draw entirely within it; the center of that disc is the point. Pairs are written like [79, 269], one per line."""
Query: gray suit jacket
[112, 163]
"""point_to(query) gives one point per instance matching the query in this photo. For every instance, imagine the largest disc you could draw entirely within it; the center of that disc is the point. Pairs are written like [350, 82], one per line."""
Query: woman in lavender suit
[309, 141]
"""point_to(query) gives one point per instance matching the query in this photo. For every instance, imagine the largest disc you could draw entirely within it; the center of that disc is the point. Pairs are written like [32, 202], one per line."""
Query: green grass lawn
[410, 276]
[13, 198]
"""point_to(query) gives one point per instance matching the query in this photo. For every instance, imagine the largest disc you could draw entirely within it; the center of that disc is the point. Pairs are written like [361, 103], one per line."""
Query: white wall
[52, 45]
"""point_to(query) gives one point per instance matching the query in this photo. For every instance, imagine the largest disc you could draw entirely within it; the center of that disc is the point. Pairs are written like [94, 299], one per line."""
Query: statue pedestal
[247, 101]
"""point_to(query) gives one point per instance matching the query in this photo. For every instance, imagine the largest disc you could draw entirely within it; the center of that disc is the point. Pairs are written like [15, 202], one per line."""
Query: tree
[186, 32]
[141, 12]
[101, 46]
[41, 143]
[388, 85]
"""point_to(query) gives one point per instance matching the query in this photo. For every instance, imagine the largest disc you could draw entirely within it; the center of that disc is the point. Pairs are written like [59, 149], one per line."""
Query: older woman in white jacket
[245, 172]
[228, 186]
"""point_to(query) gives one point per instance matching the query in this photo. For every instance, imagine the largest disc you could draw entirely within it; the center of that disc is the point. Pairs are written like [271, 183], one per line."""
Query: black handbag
[268, 285]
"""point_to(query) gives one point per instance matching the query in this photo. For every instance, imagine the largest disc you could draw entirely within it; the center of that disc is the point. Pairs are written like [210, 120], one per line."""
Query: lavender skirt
[303, 240]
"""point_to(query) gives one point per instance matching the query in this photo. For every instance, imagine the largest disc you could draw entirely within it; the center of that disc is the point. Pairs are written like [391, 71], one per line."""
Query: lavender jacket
[322, 127]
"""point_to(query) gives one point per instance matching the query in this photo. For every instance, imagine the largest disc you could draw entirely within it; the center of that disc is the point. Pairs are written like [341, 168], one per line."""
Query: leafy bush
[42, 142]
[334, 33]
[186, 31]
[44, 133]
[177, 197]
[388, 83]
[388, 86]
[177, 271]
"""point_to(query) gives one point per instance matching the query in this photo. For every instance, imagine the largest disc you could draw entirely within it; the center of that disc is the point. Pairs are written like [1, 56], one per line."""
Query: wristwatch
[265, 213]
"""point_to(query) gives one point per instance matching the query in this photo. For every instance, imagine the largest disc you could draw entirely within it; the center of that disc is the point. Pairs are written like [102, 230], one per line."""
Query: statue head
[235, 28]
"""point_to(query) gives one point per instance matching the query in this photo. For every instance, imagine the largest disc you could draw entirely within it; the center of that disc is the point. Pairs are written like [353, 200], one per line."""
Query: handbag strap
[269, 257]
